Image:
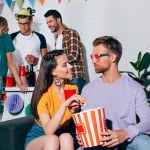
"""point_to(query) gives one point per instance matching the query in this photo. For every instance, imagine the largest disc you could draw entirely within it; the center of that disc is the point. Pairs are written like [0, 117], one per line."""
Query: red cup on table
[9, 81]
[69, 92]
[22, 71]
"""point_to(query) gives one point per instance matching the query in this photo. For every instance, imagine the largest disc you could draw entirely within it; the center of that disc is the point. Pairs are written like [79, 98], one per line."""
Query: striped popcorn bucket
[89, 124]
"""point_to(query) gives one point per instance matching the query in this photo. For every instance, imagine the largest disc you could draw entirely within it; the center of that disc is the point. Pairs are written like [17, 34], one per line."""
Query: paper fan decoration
[28, 111]
[14, 104]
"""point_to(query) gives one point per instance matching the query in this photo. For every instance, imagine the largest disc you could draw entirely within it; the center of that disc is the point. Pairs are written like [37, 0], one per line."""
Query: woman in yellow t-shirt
[53, 128]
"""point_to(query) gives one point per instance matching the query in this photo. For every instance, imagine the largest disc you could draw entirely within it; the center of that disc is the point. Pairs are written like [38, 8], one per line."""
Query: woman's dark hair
[45, 78]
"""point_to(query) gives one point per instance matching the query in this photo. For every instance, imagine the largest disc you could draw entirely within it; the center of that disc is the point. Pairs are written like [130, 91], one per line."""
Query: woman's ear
[53, 72]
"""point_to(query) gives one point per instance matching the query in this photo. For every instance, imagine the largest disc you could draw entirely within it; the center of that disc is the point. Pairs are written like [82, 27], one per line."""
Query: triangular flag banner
[18, 2]
[41, 1]
[32, 2]
[9, 2]
[59, 1]
[69, 1]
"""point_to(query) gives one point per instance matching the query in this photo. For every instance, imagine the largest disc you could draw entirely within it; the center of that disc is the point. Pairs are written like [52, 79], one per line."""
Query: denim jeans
[79, 82]
[140, 142]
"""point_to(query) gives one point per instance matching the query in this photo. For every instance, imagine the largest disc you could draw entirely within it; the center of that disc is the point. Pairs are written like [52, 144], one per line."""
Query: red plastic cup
[69, 92]
[9, 81]
[22, 71]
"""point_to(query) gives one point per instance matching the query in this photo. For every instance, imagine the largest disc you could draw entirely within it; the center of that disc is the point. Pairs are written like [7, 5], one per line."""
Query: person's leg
[141, 142]
[79, 82]
[46, 142]
[66, 141]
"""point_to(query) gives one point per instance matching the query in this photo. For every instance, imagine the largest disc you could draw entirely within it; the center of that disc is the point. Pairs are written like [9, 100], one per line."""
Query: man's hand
[31, 59]
[114, 137]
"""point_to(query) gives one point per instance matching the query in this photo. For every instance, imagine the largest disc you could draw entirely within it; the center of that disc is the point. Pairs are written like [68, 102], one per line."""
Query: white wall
[127, 20]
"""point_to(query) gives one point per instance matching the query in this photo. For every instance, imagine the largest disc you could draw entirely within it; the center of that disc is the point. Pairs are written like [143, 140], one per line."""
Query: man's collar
[65, 29]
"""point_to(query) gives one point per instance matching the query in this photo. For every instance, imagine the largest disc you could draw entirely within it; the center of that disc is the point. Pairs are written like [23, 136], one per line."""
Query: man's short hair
[111, 44]
[53, 13]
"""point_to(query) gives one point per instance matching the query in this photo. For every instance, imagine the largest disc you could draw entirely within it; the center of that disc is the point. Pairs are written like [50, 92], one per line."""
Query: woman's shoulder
[6, 35]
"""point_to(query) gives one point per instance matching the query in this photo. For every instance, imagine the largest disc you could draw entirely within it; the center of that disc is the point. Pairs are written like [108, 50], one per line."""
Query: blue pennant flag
[32, 2]
[9, 3]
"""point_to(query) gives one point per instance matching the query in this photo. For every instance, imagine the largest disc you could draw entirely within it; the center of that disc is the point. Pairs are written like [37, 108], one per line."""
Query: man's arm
[73, 48]
[143, 112]
[43, 51]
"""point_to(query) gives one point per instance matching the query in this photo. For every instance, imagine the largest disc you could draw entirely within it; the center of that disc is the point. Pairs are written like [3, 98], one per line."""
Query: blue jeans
[140, 142]
[79, 82]
[37, 131]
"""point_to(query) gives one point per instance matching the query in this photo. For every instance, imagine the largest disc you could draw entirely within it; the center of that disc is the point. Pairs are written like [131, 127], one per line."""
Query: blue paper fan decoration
[14, 104]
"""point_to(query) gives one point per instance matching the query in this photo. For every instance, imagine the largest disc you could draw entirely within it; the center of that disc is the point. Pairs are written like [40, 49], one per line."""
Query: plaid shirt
[72, 47]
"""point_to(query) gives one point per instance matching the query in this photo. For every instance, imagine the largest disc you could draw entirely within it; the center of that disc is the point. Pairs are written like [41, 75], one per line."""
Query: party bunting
[18, 2]
[59, 1]
[32, 2]
[9, 2]
[41, 1]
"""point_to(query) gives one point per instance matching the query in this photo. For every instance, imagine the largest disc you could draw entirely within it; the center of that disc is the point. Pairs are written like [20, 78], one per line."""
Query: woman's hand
[74, 102]
[23, 88]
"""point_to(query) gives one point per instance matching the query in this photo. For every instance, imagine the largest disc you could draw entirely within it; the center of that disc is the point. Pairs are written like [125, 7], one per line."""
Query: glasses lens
[23, 24]
[95, 57]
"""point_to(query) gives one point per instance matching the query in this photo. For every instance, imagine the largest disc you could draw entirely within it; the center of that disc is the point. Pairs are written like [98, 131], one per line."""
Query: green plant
[141, 66]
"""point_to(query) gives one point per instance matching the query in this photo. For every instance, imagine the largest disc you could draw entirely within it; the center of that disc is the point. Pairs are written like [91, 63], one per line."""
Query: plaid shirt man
[72, 47]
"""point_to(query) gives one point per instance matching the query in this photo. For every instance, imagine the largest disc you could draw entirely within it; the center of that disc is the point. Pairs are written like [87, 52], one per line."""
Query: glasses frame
[97, 56]
[24, 24]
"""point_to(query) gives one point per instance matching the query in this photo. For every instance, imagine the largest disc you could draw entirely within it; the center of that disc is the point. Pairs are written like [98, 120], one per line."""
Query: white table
[26, 97]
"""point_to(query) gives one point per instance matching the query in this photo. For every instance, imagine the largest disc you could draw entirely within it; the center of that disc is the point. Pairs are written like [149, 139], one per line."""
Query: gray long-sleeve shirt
[122, 100]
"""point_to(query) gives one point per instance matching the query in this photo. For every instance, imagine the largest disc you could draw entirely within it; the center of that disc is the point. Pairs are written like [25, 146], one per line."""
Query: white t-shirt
[59, 42]
[27, 45]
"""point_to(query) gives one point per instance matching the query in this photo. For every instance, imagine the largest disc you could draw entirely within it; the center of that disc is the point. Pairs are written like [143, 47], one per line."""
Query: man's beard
[100, 70]
[55, 29]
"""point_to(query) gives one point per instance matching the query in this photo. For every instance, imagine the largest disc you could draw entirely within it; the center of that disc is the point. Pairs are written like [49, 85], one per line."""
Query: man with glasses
[68, 40]
[28, 44]
[122, 98]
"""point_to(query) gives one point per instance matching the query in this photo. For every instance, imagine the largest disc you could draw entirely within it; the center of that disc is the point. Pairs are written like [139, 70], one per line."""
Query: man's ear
[58, 20]
[113, 57]
[31, 21]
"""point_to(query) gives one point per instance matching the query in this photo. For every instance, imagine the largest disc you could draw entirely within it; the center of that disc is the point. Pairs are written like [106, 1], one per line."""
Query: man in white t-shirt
[29, 44]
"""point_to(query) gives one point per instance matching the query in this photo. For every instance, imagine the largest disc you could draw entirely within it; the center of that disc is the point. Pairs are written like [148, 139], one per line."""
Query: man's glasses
[23, 24]
[97, 56]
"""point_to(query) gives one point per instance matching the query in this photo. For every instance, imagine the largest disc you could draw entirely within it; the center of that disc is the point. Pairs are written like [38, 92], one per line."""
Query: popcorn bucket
[89, 124]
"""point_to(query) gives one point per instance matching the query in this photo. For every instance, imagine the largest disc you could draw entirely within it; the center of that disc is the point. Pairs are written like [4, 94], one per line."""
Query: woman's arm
[12, 67]
[50, 125]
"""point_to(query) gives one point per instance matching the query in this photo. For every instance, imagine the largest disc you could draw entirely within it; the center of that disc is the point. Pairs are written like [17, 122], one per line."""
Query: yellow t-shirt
[50, 103]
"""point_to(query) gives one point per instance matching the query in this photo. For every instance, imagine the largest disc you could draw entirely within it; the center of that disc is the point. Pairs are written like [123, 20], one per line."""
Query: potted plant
[141, 66]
